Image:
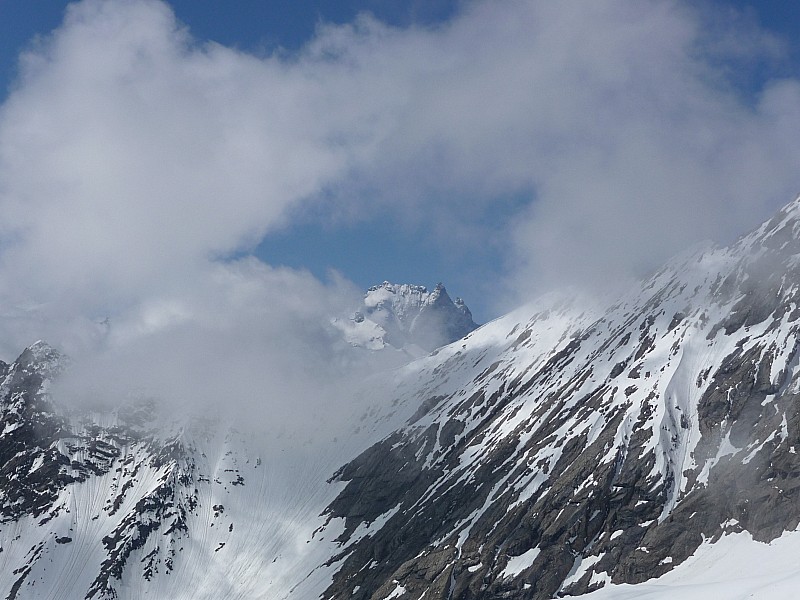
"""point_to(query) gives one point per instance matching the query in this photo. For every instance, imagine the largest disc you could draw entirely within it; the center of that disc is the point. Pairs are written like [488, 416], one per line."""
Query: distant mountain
[559, 449]
[408, 317]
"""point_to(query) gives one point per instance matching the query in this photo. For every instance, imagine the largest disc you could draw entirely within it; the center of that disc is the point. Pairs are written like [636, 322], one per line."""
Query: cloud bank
[137, 163]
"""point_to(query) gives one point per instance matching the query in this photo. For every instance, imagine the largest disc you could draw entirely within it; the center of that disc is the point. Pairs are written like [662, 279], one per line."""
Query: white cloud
[129, 156]
[619, 117]
[245, 339]
[132, 157]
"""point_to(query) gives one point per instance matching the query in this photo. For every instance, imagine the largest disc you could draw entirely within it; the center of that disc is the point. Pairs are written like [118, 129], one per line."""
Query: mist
[140, 167]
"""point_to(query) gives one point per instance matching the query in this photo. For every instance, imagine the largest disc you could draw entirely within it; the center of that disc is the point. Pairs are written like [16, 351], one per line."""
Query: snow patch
[517, 564]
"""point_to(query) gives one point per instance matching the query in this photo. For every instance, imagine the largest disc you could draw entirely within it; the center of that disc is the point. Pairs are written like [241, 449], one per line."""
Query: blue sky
[367, 253]
[471, 256]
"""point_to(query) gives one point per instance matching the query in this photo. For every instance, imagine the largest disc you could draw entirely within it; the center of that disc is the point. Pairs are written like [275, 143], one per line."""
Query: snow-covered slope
[560, 448]
[131, 503]
[734, 568]
[407, 317]
[555, 454]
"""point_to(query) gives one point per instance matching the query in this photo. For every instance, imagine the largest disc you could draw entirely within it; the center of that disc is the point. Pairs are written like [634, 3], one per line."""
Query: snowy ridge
[605, 451]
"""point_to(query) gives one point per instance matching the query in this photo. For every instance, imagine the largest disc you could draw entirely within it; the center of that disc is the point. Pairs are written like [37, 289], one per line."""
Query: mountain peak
[780, 232]
[41, 356]
[409, 317]
[439, 294]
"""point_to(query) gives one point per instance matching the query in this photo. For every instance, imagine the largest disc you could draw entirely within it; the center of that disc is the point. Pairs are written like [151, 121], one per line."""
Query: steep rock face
[408, 317]
[555, 455]
[32, 469]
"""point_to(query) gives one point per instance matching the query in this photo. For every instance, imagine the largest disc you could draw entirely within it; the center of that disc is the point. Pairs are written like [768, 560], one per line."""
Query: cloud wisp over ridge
[133, 157]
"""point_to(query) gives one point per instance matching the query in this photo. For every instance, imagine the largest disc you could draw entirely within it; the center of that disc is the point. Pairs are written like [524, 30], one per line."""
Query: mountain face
[554, 454]
[108, 485]
[132, 501]
[559, 449]
[408, 317]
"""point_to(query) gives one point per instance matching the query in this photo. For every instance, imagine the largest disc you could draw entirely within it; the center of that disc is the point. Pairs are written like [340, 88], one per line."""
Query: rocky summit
[408, 317]
[562, 448]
